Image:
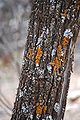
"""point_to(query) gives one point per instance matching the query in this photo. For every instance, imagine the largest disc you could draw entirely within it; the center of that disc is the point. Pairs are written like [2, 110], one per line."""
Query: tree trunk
[48, 56]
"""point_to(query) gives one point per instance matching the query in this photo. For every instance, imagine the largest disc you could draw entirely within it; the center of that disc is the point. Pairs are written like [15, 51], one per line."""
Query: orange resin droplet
[45, 108]
[39, 54]
[57, 64]
[31, 54]
[38, 109]
[65, 41]
[64, 13]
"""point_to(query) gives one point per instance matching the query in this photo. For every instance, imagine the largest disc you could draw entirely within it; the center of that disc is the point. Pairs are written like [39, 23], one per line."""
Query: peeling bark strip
[48, 56]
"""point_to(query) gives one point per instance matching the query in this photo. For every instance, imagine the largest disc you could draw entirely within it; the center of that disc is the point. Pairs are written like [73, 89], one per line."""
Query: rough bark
[48, 56]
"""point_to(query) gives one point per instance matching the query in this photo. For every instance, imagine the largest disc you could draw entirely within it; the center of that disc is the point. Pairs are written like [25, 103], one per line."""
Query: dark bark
[48, 56]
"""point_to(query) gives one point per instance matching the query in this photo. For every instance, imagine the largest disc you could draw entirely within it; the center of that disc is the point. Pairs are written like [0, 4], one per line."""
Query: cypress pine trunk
[48, 56]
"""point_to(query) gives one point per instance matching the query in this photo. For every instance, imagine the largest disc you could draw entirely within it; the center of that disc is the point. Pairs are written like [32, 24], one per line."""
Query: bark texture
[48, 56]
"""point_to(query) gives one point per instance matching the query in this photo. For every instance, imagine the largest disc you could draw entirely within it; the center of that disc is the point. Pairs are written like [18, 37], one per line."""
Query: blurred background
[14, 20]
